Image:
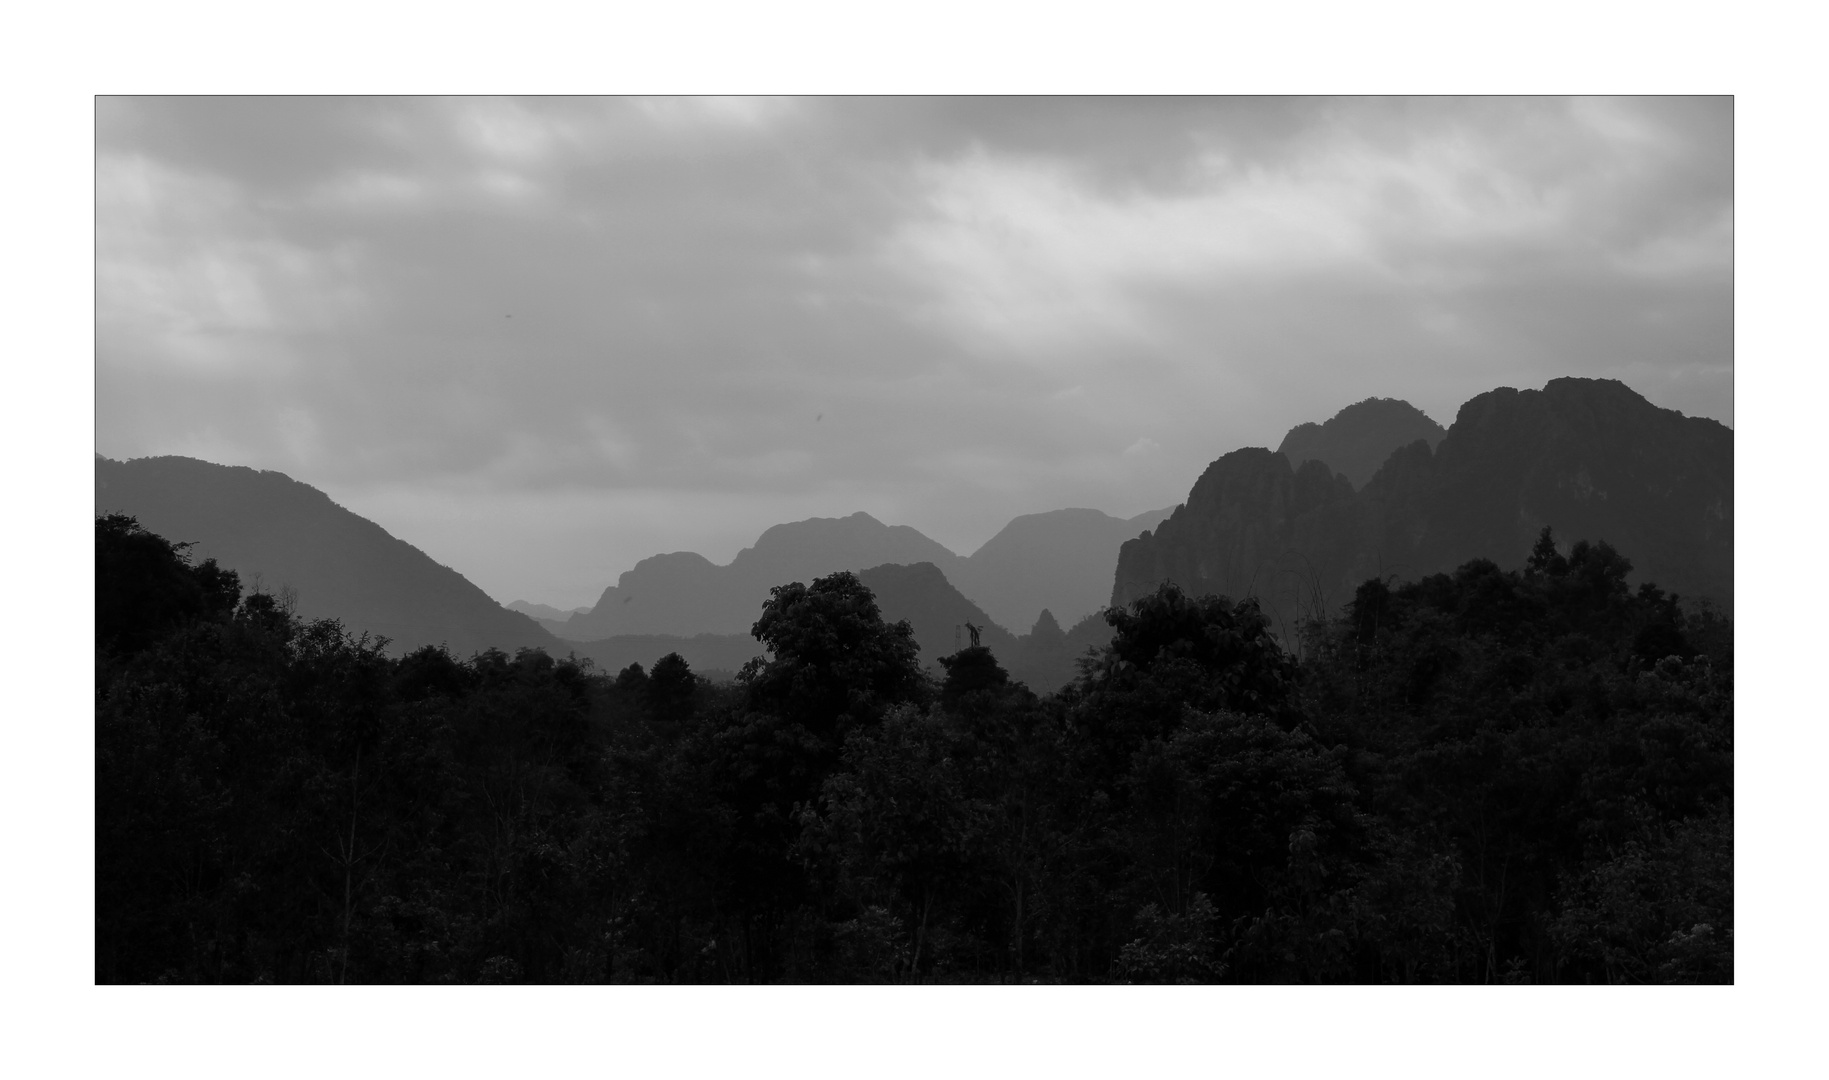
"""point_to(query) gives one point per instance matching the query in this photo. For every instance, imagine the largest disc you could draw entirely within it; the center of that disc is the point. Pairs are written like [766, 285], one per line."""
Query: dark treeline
[1490, 776]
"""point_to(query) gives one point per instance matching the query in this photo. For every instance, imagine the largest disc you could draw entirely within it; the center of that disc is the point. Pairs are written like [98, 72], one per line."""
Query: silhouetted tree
[145, 585]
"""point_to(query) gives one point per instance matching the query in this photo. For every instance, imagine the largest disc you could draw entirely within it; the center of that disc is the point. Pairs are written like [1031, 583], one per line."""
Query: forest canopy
[1492, 775]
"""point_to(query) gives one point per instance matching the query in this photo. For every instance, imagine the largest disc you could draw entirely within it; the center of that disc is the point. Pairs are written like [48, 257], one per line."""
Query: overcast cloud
[544, 339]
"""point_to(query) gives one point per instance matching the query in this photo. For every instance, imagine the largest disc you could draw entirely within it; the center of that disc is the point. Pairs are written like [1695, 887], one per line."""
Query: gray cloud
[543, 339]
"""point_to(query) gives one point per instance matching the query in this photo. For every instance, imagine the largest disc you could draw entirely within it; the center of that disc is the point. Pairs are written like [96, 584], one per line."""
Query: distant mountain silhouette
[684, 593]
[1046, 656]
[938, 612]
[542, 611]
[1043, 658]
[1587, 457]
[1060, 560]
[279, 533]
[553, 620]
[1360, 438]
[919, 593]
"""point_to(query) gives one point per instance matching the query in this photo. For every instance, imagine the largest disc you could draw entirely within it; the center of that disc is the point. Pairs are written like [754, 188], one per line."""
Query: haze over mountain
[919, 593]
[684, 593]
[938, 612]
[546, 338]
[719, 656]
[278, 533]
[1360, 438]
[564, 343]
[540, 612]
[1589, 458]
[1061, 561]
[1058, 561]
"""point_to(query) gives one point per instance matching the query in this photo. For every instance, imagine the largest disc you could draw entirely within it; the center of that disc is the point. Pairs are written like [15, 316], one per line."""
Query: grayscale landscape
[936, 540]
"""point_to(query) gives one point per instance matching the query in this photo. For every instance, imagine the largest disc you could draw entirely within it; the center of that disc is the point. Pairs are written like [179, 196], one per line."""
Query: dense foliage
[1493, 775]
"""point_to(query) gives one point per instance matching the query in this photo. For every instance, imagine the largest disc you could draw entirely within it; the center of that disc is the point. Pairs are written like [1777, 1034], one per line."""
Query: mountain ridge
[918, 593]
[277, 533]
[280, 533]
[1058, 560]
[1356, 441]
[539, 612]
[1589, 458]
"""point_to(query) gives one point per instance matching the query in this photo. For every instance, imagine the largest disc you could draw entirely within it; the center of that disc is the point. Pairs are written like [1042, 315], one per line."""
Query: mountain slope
[541, 611]
[938, 612]
[684, 593]
[921, 594]
[1254, 526]
[1589, 458]
[918, 593]
[279, 533]
[1060, 561]
[1359, 438]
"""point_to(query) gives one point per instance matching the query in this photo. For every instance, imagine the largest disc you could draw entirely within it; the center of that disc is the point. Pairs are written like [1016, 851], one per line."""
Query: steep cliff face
[1589, 458]
[1359, 438]
[1252, 526]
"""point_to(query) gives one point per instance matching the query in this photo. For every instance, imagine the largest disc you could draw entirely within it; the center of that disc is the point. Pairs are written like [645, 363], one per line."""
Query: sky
[543, 339]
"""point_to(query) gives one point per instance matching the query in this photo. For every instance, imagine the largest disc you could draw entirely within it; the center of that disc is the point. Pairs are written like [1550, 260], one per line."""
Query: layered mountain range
[939, 613]
[1588, 458]
[543, 612]
[1058, 561]
[919, 593]
[1296, 527]
[287, 537]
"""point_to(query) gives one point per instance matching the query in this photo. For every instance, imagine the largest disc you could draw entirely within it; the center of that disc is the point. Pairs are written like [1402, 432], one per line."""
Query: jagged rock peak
[1589, 458]
[1047, 627]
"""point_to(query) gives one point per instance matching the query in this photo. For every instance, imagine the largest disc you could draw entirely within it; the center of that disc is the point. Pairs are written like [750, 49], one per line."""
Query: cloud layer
[543, 339]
